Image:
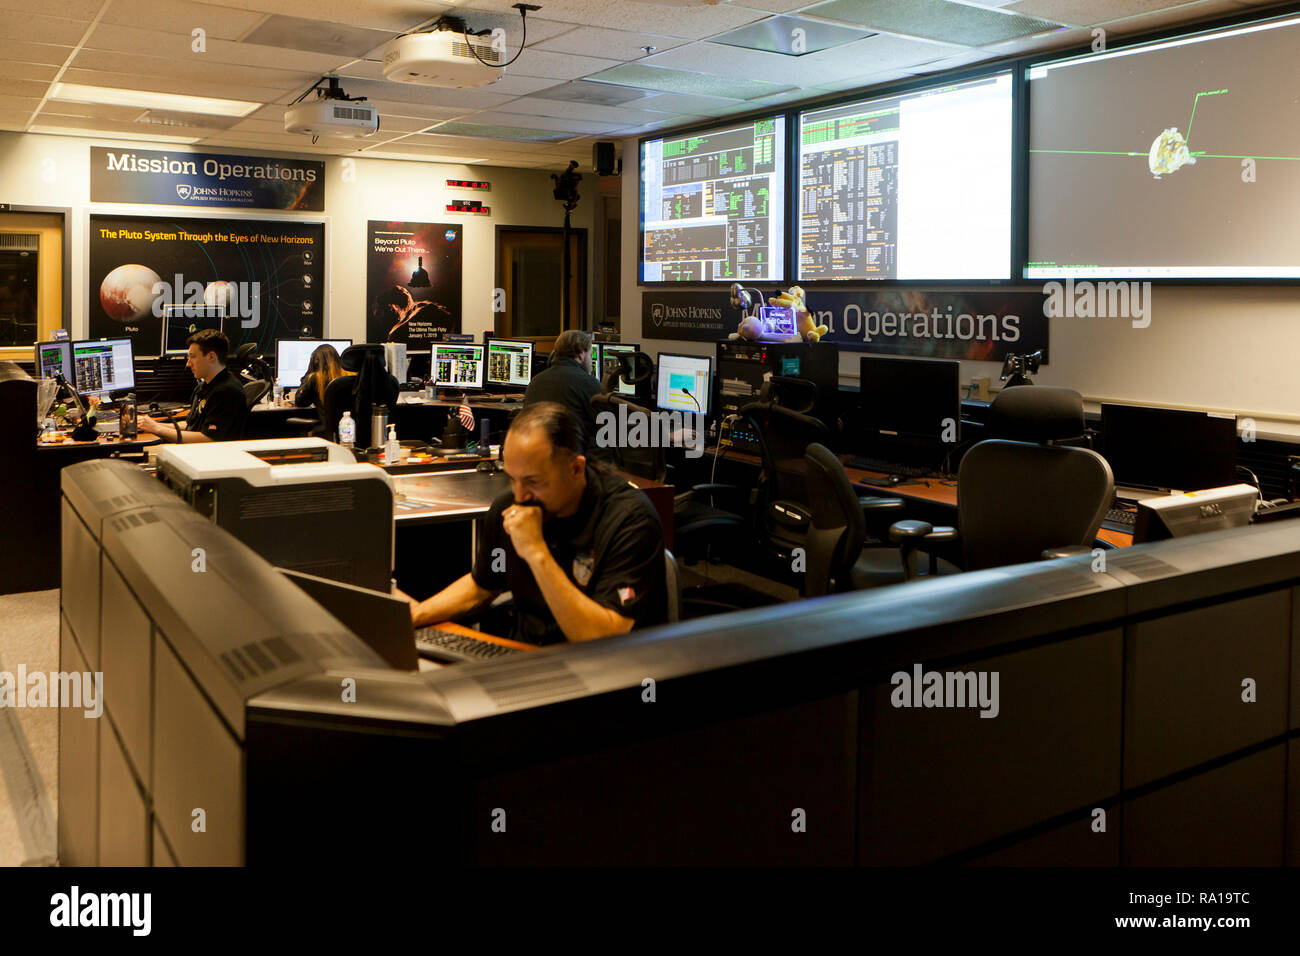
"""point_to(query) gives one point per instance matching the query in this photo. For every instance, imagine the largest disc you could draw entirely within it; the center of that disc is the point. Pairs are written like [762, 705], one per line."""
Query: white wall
[1222, 348]
[383, 190]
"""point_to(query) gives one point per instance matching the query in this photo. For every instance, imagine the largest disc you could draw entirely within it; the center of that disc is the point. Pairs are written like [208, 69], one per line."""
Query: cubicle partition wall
[1133, 713]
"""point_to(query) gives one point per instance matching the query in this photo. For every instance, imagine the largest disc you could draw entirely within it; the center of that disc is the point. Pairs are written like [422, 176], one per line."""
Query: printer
[302, 503]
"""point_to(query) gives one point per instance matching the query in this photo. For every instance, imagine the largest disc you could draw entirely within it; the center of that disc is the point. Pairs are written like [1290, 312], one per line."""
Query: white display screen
[713, 204]
[509, 363]
[916, 185]
[458, 366]
[1178, 158]
[684, 382]
[292, 356]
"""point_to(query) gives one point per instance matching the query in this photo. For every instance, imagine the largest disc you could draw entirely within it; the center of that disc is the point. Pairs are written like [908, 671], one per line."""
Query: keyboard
[1120, 519]
[888, 467]
[439, 645]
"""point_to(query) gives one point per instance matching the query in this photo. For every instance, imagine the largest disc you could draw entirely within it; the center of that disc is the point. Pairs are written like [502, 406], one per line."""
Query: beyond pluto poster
[267, 276]
[413, 282]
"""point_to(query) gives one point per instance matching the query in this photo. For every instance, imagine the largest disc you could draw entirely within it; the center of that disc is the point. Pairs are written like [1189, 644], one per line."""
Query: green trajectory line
[1195, 101]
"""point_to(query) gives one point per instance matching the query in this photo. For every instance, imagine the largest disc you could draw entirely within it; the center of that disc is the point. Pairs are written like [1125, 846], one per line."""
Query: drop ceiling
[591, 69]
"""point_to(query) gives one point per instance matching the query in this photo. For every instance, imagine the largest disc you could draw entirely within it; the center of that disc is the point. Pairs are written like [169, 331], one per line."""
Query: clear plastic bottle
[393, 449]
[347, 430]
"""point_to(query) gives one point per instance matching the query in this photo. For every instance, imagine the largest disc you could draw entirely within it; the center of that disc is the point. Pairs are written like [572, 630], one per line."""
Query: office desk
[442, 496]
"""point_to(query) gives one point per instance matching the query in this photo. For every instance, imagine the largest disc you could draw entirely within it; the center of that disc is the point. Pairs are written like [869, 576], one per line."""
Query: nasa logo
[450, 235]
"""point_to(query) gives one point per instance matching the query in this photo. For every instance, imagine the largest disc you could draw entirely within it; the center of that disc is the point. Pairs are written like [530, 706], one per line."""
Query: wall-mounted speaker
[603, 159]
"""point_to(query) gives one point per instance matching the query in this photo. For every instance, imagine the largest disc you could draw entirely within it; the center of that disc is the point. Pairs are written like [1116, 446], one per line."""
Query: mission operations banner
[981, 326]
[205, 179]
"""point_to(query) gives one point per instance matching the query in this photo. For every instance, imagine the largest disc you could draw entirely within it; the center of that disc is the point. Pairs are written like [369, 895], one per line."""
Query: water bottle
[278, 395]
[393, 450]
[127, 418]
[347, 430]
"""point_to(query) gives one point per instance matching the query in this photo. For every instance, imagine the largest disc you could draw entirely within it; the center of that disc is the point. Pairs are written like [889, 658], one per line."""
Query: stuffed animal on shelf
[751, 328]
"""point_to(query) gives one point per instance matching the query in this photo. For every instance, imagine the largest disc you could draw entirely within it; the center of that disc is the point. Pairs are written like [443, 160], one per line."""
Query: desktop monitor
[292, 356]
[910, 409]
[509, 362]
[181, 320]
[102, 367]
[1169, 449]
[609, 353]
[684, 382]
[52, 358]
[458, 366]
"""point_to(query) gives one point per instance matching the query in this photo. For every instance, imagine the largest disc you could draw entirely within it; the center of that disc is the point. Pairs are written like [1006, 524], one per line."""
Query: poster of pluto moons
[264, 277]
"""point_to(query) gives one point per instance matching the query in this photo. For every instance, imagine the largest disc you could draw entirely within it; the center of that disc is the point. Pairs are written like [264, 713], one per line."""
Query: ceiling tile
[539, 106]
[614, 44]
[774, 6]
[932, 19]
[692, 22]
[687, 103]
[19, 103]
[16, 25]
[316, 36]
[644, 76]
[181, 17]
[393, 16]
[1184, 14]
[791, 36]
[34, 88]
[70, 9]
[541, 121]
[176, 48]
[558, 66]
[1086, 12]
[171, 83]
[44, 72]
[21, 51]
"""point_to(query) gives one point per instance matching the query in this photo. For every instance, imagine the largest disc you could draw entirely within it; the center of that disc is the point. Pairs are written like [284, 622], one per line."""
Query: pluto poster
[413, 282]
[157, 280]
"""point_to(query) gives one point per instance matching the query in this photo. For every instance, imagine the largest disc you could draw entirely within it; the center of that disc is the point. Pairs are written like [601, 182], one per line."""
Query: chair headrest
[1036, 413]
[354, 356]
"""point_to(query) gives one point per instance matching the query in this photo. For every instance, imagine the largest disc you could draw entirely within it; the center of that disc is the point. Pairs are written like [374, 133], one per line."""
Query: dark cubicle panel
[766, 736]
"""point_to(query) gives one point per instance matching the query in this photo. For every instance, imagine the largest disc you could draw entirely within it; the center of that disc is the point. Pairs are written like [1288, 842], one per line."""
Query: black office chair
[673, 580]
[1023, 494]
[372, 385]
[255, 390]
[841, 553]
[793, 512]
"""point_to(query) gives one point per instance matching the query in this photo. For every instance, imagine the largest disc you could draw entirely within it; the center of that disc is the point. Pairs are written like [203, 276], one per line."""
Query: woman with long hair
[323, 368]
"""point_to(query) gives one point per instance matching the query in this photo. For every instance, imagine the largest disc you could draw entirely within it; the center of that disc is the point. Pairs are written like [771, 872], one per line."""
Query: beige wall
[40, 170]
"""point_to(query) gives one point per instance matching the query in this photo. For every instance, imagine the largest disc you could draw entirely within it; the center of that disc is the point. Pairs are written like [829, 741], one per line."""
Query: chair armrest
[874, 505]
[1068, 551]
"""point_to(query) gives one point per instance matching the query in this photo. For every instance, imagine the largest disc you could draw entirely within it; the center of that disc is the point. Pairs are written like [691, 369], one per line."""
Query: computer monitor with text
[457, 366]
[54, 357]
[104, 366]
[509, 362]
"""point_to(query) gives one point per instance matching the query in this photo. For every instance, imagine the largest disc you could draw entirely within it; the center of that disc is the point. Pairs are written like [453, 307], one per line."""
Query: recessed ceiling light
[145, 99]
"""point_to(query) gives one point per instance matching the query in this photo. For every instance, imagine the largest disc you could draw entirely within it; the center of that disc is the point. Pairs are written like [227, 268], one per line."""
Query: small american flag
[466, 416]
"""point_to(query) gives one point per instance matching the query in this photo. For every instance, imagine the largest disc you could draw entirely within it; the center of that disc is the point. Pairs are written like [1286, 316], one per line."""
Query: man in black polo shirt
[218, 410]
[581, 549]
[569, 381]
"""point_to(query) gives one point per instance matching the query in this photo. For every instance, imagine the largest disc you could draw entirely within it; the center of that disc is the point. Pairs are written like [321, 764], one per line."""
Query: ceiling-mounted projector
[332, 113]
[443, 58]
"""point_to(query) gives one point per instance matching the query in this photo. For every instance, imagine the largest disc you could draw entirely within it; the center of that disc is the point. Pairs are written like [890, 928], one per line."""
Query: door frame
[580, 265]
[66, 213]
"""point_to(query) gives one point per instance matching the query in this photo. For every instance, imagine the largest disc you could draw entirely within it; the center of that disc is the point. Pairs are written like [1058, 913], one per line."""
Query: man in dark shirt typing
[581, 550]
[218, 410]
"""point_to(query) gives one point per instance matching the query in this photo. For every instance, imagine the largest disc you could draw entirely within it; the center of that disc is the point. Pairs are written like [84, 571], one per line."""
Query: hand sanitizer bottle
[393, 449]
[347, 430]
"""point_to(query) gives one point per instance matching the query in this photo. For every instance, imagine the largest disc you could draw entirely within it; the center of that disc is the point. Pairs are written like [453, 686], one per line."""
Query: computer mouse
[895, 479]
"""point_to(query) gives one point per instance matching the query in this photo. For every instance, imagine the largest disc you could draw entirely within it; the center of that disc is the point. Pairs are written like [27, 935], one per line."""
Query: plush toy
[803, 320]
[751, 329]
